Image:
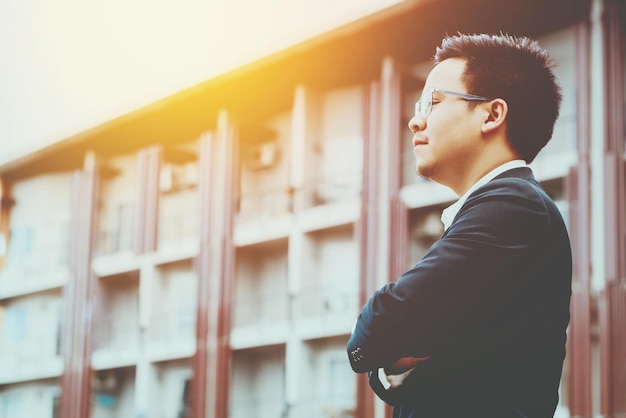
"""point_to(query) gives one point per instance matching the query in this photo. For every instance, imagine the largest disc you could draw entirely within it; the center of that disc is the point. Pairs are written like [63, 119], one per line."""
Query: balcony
[179, 227]
[330, 201]
[260, 301]
[114, 240]
[179, 218]
[114, 250]
[263, 216]
[115, 334]
[37, 260]
[260, 320]
[172, 334]
[328, 190]
[30, 355]
[323, 311]
[264, 204]
[115, 344]
[115, 327]
[179, 236]
[326, 283]
[258, 383]
[330, 385]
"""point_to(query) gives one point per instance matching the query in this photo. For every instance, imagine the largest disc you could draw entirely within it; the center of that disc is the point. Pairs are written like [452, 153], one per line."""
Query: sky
[69, 65]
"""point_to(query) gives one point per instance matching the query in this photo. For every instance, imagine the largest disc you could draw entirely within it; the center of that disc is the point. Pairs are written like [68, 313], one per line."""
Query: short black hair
[517, 70]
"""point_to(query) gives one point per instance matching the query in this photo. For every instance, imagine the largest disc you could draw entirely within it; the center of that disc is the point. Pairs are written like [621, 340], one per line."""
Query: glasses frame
[429, 104]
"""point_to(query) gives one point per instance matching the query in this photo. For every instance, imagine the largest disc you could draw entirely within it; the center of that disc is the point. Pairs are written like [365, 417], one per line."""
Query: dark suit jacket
[489, 302]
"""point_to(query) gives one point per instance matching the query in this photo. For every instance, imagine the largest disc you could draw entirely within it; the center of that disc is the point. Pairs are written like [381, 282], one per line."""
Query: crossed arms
[437, 309]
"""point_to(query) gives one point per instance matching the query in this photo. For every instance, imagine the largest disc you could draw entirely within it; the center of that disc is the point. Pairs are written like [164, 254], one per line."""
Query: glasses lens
[427, 102]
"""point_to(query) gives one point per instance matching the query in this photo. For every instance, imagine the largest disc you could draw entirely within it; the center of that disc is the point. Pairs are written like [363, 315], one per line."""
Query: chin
[423, 171]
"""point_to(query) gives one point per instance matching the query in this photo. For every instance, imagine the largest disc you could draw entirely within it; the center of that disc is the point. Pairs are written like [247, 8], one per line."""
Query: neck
[478, 170]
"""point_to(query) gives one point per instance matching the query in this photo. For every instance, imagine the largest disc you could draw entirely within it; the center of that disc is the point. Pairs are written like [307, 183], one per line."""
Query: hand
[404, 364]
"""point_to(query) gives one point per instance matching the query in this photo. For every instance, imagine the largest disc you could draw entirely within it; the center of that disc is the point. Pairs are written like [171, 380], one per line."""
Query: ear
[496, 111]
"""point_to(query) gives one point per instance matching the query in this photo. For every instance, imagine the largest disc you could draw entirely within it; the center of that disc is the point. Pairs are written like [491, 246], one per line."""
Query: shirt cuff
[392, 381]
[383, 378]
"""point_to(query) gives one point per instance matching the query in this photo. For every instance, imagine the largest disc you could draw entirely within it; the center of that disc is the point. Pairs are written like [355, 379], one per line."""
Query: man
[477, 328]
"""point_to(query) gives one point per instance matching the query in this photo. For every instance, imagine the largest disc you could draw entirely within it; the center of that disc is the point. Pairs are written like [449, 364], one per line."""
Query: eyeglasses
[425, 104]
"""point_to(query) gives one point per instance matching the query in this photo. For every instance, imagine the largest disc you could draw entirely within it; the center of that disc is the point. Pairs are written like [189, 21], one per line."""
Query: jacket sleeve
[470, 274]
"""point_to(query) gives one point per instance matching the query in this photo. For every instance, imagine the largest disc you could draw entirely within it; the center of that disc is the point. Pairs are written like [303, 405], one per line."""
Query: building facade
[206, 256]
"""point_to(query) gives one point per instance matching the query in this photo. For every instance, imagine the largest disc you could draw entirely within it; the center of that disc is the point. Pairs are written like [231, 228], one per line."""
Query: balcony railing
[315, 192]
[256, 407]
[328, 190]
[260, 309]
[321, 302]
[173, 325]
[41, 260]
[114, 241]
[178, 228]
[34, 349]
[32, 274]
[39, 245]
[265, 204]
[115, 335]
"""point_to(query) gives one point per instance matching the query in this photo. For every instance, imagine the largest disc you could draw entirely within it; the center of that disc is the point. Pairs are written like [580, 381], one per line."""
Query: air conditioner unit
[189, 175]
[175, 177]
[262, 156]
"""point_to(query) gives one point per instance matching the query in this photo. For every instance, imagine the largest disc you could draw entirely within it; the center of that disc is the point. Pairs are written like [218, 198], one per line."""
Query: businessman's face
[445, 133]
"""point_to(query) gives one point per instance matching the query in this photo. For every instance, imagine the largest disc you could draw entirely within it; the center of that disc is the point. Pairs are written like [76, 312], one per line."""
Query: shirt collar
[449, 213]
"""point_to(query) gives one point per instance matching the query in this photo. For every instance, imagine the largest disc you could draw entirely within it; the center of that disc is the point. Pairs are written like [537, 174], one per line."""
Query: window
[12, 405]
[21, 243]
[15, 324]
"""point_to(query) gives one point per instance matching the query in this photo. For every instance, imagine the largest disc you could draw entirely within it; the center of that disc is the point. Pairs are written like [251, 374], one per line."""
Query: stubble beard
[423, 171]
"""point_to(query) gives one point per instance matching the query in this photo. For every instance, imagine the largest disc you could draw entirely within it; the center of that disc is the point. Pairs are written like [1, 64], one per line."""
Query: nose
[416, 123]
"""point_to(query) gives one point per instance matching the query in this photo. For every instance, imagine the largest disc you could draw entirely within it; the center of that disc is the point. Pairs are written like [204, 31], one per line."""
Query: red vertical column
[147, 212]
[215, 268]
[221, 358]
[579, 197]
[399, 236]
[366, 227]
[201, 264]
[579, 333]
[612, 306]
[78, 297]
